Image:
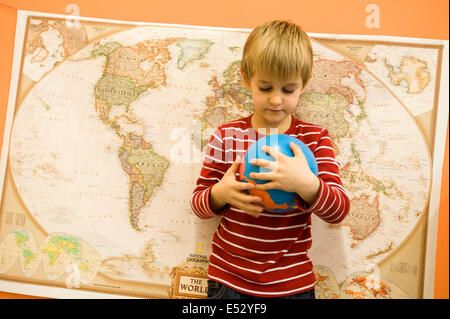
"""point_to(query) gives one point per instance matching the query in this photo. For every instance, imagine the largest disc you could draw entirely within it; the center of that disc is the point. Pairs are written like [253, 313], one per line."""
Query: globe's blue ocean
[274, 200]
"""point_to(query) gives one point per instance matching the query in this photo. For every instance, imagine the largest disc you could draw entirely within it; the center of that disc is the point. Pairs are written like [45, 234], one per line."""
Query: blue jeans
[216, 290]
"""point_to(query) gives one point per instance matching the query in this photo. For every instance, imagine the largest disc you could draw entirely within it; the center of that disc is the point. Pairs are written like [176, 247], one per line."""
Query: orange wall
[407, 18]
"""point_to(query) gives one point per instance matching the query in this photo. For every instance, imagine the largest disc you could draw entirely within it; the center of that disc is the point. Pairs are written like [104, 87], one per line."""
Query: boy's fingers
[252, 210]
[263, 163]
[243, 186]
[248, 203]
[249, 198]
[253, 214]
[296, 149]
[262, 176]
[233, 168]
[266, 186]
[272, 151]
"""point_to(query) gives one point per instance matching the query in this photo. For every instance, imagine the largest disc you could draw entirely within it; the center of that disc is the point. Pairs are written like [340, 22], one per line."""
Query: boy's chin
[275, 122]
[278, 116]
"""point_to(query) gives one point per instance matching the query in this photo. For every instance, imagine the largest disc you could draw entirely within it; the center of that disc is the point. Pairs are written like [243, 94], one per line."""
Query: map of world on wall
[106, 146]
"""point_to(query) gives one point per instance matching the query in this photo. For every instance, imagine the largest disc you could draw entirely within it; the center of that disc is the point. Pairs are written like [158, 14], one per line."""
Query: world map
[107, 141]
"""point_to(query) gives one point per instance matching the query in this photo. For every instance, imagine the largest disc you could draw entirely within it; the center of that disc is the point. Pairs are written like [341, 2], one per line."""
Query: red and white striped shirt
[266, 256]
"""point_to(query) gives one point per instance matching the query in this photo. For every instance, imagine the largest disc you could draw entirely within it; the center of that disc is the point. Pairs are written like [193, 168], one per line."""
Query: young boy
[257, 253]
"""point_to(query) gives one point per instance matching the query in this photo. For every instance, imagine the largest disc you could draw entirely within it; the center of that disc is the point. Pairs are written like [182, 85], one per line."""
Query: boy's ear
[304, 85]
[303, 90]
[244, 80]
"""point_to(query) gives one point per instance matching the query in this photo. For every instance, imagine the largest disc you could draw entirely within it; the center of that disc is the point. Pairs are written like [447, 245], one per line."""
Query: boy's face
[275, 100]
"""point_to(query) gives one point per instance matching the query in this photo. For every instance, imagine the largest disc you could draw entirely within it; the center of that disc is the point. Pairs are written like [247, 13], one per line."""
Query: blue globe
[274, 200]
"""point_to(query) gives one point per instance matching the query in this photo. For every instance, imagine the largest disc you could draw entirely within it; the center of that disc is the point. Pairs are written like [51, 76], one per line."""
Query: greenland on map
[104, 142]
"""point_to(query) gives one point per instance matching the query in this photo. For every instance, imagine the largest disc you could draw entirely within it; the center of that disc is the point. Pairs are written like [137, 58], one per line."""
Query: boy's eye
[268, 89]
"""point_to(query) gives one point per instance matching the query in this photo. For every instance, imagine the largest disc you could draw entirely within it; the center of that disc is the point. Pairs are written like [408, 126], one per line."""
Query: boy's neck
[265, 129]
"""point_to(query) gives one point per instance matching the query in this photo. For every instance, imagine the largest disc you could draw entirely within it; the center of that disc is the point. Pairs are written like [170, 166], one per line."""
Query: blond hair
[280, 49]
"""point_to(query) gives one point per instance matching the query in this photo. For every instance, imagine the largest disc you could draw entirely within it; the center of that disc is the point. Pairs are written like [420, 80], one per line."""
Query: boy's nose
[275, 98]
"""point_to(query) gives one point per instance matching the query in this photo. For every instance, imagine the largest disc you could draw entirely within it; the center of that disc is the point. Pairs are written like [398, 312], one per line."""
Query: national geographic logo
[198, 255]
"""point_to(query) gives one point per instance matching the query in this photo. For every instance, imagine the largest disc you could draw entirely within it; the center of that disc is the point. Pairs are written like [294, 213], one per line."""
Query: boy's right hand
[230, 191]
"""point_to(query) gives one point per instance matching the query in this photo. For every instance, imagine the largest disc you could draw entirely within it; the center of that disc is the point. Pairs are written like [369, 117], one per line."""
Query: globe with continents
[273, 200]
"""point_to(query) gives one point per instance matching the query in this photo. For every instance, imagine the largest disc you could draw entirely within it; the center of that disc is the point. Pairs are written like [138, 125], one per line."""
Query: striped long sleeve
[213, 169]
[266, 256]
[332, 204]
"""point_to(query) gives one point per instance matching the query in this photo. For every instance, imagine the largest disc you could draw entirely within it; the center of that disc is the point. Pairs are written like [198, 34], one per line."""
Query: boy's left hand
[290, 174]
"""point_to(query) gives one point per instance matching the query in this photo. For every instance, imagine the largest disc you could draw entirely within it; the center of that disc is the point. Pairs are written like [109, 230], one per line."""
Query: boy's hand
[291, 174]
[230, 191]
